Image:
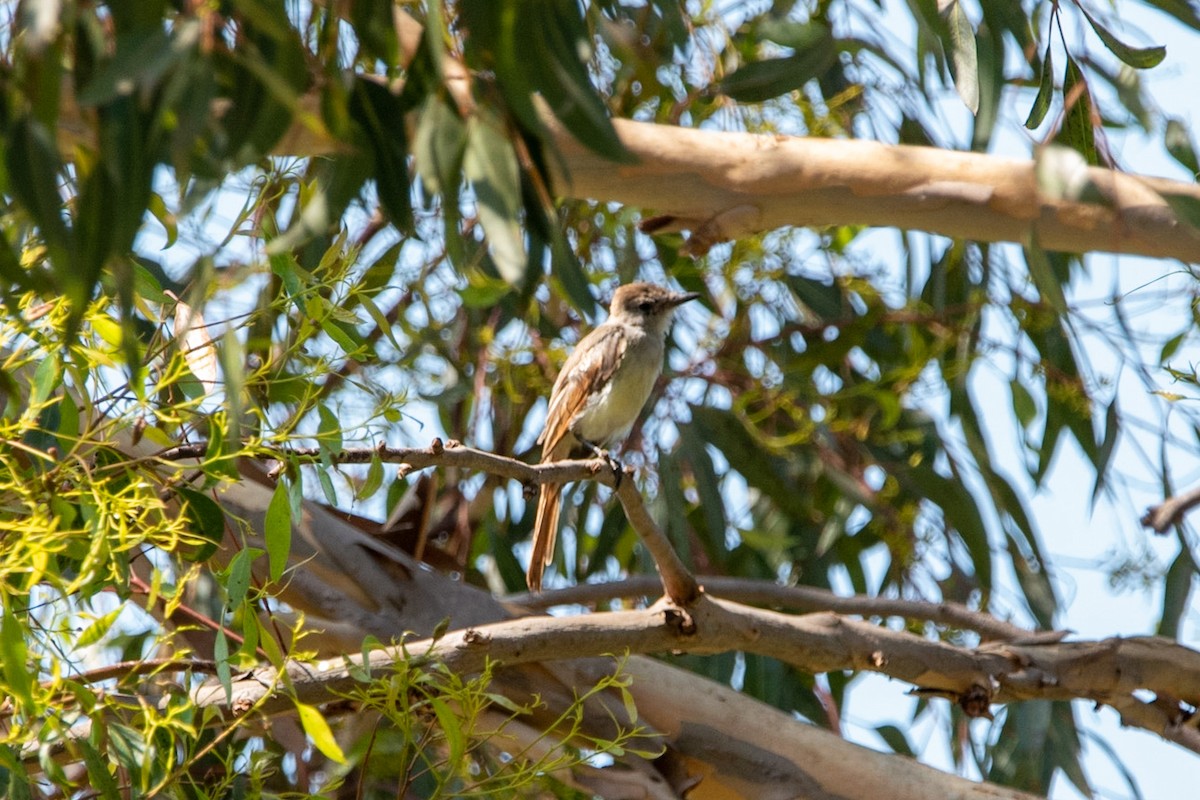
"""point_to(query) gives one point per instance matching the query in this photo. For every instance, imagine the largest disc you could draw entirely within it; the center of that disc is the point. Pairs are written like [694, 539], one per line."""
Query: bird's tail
[545, 530]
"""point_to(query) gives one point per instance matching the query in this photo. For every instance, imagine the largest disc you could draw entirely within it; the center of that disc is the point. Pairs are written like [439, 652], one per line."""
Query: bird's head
[647, 303]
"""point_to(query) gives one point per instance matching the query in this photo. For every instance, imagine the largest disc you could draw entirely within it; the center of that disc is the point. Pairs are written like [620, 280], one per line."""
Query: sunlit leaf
[317, 728]
[195, 343]
[98, 629]
[15, 658]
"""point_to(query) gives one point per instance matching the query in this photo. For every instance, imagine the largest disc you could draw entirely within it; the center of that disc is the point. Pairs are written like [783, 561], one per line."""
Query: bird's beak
[680, 299]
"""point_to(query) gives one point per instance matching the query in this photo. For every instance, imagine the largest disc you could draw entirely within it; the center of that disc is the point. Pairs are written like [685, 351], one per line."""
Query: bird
[599, 394]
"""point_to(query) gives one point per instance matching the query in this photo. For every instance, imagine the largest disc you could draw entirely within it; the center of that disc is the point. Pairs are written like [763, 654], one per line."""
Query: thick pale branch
[723, 185]
[1107, 672]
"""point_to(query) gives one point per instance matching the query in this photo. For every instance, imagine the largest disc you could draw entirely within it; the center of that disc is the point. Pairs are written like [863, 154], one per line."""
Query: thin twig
[804, 599]
[677, 582]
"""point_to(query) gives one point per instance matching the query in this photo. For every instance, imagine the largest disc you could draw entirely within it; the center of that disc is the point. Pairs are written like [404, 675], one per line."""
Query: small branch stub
[976, 703]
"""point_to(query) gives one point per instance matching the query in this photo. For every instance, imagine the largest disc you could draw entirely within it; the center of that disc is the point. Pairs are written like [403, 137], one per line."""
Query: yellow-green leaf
[318, 730]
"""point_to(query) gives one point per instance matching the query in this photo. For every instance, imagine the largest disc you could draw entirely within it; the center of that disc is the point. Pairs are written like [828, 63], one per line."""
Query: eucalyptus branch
[1107, 672]
[807, 599]
[1170, 511]
[677, 582]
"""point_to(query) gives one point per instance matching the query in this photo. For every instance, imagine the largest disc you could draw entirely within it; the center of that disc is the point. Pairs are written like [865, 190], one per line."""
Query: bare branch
[1106, 672]
[1170, 511]
[677, 582]
[680, 585]
[795, 598]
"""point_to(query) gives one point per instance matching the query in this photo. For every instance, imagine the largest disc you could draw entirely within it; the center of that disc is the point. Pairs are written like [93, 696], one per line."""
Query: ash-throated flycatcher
[599, 394]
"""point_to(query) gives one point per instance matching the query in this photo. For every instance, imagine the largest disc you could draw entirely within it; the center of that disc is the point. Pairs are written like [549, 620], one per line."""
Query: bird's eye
[645, 306]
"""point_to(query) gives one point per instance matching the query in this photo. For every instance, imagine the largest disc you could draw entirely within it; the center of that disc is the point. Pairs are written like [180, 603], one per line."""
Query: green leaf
[97, 630]
[1136, 57]
[960, 510]
[766, 472]
[764, 80]
[15, 658]
[46, 378]
[277, 530]
[1078, 132]
[318, 730]
[208, 521]
[382, 118]
[1024, 407]
[327, 487]
[439, 145]
[671, 495]
[14, 785]
[1172, 345]
[102, 783]
[964, 59]
[238, 582]
[491, 166]
[1047, 283]
[1034, 582]
[1185, 206]
[1019, 755]
[329, 430]
[31, 157]
[1041, 103]
[991, 51]
[373, 480]
[451, 727]
[142, 57]
[708, 488]
[554, 40]
[1179, 144]
[1112, 430]
[895, 739]
[1177, 590]
[1182, 10]
[221, 657]
[824, 300]
[338, 181]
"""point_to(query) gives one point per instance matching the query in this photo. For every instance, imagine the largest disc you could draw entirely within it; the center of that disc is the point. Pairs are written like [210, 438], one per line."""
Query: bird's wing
[590, 366]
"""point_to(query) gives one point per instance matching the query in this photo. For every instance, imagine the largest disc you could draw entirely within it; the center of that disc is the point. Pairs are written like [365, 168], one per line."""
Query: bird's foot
[618, 470]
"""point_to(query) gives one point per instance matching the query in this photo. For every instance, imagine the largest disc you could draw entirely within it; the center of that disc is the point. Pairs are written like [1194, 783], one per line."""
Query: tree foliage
[249, 231]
